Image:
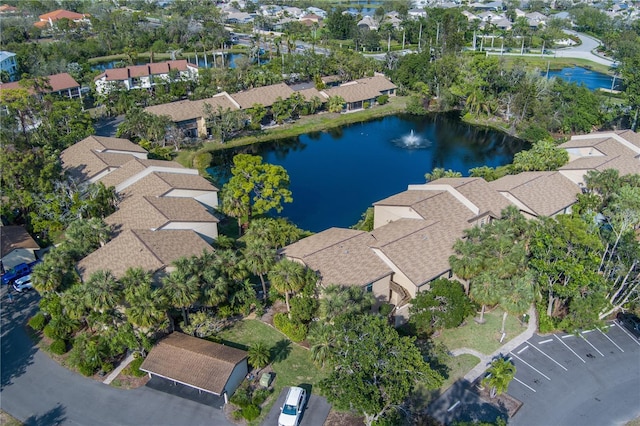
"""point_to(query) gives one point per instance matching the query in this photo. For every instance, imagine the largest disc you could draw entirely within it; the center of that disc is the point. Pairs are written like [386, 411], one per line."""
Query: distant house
[317, 11]
[368, 23]
[190, 116]
[58, 84]
[310, 19]
[197, 363]
[6, 9]
[49, 19]
[239, 18]
[144, 76]
[356, 93]
[17, 246]
[417, 13]
[9, 64]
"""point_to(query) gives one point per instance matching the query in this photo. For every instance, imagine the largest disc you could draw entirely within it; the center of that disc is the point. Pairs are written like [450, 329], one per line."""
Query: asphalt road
[584, 50]
[589, 379]
[38, 391]
[315, 412]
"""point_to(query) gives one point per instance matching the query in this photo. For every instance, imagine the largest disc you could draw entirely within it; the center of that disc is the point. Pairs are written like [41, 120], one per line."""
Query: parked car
[291, 411]
[629, 321]
[23, 284]
[18, 271]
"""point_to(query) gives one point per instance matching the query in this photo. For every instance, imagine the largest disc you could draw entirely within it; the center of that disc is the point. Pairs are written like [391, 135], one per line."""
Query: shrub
[106, 367]
[58, 347]
[133, 369]
[225, 311]
[259, 396]
[50, 332]
[242, 397]
[293, 330]
[86, 369]
[382, 99]
[385, 309]
[250, 412]
[365, 105]
[37, 322]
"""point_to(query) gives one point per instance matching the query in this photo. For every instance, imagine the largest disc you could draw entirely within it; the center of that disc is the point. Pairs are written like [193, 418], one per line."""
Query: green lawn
[484, 338]
[292, 363]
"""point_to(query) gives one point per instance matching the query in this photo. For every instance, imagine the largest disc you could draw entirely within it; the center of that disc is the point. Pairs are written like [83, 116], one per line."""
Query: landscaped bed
[484, 338]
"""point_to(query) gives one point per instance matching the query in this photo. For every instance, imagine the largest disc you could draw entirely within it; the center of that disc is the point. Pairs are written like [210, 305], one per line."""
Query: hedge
[293, 330]
[58, 347]
[37, 322]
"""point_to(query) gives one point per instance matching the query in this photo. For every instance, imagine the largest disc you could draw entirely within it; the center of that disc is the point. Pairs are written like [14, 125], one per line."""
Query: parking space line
[531, 366]
[523, 349]
[601, 332]
[523, 383]
[574, 352]
[628, 334]
[561, 366]
[566, 336]
[454, 406]
[590, 344]
[545, 341]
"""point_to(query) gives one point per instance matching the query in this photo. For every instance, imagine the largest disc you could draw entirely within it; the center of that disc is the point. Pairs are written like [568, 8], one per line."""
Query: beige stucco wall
[381, 291]
[385, 214]
[575, 176]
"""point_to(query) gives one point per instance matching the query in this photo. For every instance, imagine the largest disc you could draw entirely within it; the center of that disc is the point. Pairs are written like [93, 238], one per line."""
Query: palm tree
[338, 300]
[321, 338]
[103, 291]
[287, 277]
[517, 298]
[49, 275]
[485, 290]
[181, 291]
[133, 281]
[259, 259]
[259, 355]
[501, 372]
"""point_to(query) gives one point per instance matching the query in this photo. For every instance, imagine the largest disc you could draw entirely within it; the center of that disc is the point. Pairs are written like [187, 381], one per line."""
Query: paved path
[111, 377]
[38, 391]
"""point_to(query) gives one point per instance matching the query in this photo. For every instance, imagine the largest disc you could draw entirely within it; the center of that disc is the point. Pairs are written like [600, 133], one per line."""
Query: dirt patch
[504, 402]
[336, 418]
[278, 307]
[124, 381]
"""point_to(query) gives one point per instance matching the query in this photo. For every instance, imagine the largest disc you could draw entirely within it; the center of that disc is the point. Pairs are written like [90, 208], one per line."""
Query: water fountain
[413, 141]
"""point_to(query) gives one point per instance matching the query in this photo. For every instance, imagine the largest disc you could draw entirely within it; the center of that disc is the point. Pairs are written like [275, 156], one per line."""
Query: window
[369, 288]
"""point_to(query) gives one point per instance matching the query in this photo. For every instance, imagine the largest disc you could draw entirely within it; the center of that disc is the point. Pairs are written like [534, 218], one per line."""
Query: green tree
[259, 355]
[288, 277]
[372, 367]
[344, 300]
[103, 291]
[259, 187]
[544, 155]
[336, 103]
[181, 290]
[501, 372]
[445, 305]
[259, 259]
[439, 173]
[629, 71]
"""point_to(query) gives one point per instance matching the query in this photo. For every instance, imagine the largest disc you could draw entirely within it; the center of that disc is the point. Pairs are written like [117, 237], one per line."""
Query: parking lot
[592, 378]
[315, 412]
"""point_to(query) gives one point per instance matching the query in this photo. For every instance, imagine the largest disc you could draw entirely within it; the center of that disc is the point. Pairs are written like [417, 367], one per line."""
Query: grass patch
[291, 363]
[484, 338]
[458, 367]
[558, 63]
[7, 419]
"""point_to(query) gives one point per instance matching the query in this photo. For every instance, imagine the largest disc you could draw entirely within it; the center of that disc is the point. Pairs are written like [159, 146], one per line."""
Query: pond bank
[304, 125]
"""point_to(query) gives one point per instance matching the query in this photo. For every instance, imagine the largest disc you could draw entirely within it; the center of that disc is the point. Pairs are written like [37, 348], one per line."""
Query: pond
[591, 79]
[336, 175]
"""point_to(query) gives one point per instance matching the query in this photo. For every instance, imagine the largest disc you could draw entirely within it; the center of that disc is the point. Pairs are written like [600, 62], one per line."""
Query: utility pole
[403, 34]
[420, 39]
[437, 33]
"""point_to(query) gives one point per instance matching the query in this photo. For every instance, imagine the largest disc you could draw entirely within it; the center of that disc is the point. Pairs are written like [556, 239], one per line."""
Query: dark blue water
[336, 175]
[591, 79]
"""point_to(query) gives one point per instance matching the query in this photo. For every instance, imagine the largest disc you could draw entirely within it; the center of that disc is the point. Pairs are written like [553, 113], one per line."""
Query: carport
[206, 366]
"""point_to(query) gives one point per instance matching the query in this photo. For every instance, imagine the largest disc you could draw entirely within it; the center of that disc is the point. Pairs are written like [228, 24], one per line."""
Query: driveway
[584, 50]
[315, 412]
[592, 378]
[38, 391]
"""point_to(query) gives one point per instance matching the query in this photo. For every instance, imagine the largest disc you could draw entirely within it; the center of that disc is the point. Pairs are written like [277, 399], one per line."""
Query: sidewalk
[111, 377]
[458, 403]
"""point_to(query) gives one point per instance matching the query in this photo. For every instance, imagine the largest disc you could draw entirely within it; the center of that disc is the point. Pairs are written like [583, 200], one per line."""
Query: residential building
[415, 230]
[58, 84]
[9, 64]
[6, 9]
[197, 363]
[144, 76]
[191, 116]
[49, 19]
[153, 251]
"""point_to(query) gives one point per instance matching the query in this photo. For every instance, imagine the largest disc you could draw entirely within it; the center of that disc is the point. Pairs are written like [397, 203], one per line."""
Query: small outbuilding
[197, 363]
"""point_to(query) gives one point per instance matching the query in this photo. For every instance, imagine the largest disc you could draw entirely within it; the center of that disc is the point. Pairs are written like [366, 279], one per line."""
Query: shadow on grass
[280, 351]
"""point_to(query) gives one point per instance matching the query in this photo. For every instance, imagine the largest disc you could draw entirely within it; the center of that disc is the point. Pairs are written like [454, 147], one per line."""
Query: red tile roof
[57, 82]
[115, 74]
[61, 13]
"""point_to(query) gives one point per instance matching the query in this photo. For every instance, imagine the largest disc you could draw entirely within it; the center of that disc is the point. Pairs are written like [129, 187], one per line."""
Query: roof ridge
[336, 243]
[153, 253]
[427, 224]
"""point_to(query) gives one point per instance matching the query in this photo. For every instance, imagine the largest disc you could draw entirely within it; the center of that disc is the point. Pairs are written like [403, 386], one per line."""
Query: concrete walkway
[485, 360]
[111, 377]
